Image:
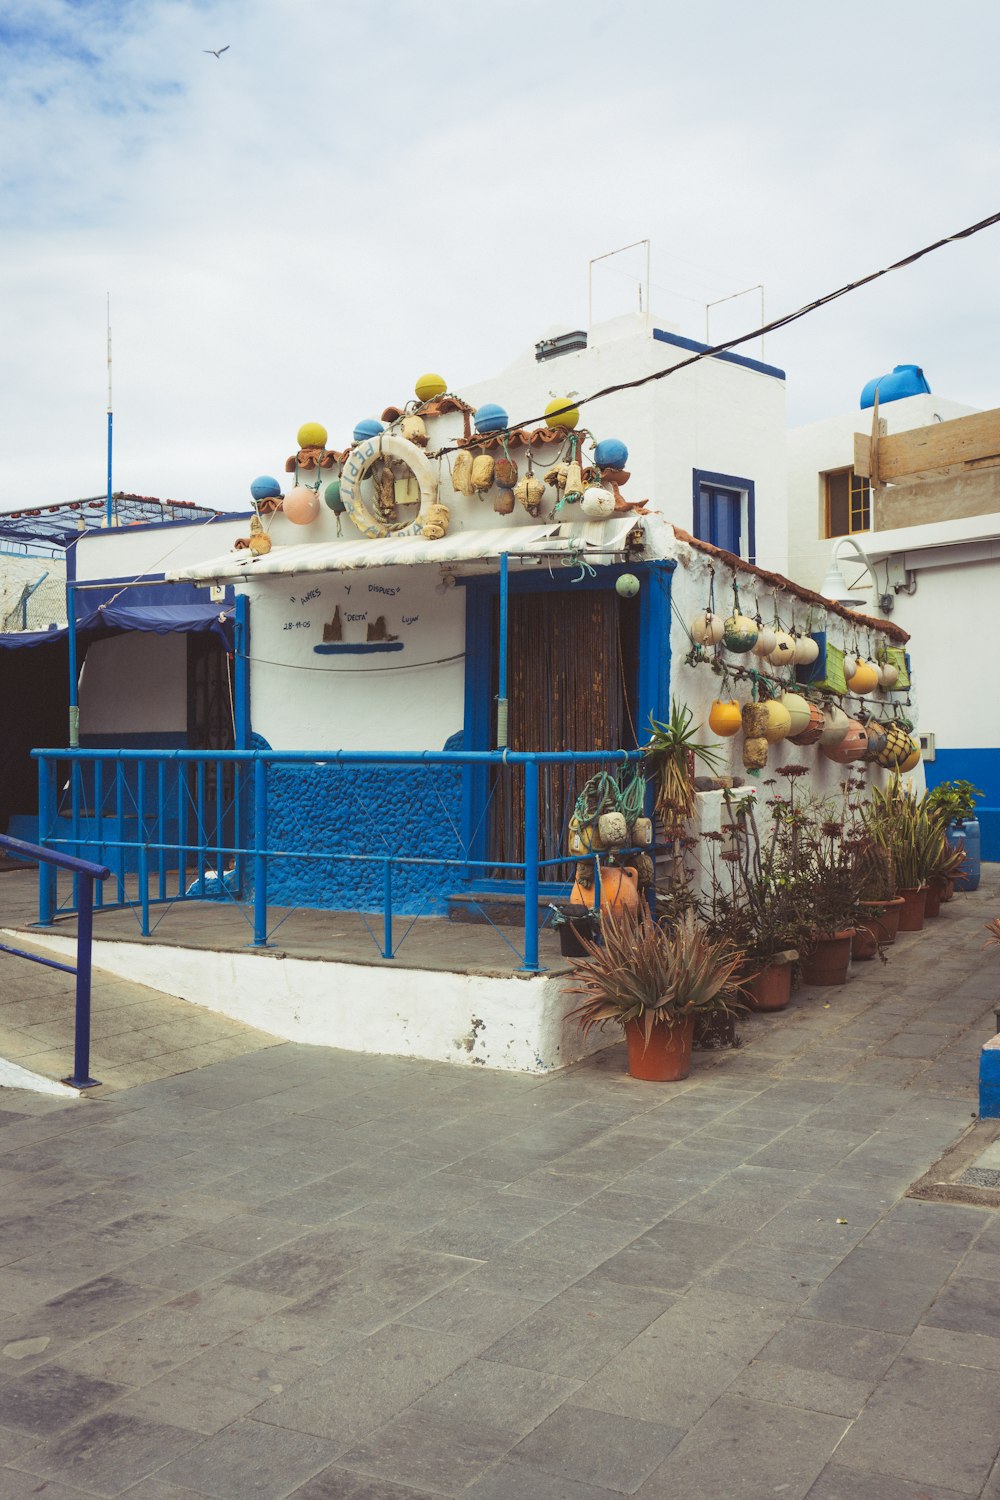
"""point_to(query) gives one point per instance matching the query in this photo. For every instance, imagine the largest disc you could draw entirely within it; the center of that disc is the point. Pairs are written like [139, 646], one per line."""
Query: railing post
[143, 850]
[387, 909]
[260, 852]
[81, 1078]
[47, 875]
[531, 866]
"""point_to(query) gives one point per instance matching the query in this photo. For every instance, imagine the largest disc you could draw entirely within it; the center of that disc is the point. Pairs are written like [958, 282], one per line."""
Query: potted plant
[821, 880]
[670, 758]
[878, 905]
[652, 980]
[915, 838]
[941, 881]
[954, 804]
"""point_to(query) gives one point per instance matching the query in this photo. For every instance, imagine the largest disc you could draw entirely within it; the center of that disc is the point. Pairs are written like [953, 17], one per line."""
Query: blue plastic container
[970, 836]
[905, 380]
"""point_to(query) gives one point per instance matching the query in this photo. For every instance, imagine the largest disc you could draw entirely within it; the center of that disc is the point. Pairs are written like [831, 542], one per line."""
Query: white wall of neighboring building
[716, 416]
[138, 551]
[817, 448]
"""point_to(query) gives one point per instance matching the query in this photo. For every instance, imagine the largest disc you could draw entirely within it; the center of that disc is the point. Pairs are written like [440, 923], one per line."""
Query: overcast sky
[355, 193]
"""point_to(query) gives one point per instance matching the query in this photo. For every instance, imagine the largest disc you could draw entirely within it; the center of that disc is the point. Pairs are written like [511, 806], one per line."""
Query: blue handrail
[226, 829]
[86, 872]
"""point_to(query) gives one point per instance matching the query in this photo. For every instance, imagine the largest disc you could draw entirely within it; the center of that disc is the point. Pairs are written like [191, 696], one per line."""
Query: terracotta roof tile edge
[778, 580]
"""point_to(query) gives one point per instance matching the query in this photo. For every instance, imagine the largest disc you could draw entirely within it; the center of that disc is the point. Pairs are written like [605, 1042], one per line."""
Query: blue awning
[115, 608]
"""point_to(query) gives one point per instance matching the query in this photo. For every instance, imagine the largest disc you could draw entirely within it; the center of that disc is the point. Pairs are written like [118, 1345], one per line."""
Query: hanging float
[356, 466]
[725, 718]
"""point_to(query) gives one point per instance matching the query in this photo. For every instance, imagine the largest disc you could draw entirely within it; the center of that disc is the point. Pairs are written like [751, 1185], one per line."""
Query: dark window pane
[838, 503]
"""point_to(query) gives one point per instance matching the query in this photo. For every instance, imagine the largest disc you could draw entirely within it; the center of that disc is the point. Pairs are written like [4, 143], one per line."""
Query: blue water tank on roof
[905, 380]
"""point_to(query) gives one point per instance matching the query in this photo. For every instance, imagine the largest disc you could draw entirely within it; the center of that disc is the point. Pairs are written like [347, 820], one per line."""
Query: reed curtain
[570, 659]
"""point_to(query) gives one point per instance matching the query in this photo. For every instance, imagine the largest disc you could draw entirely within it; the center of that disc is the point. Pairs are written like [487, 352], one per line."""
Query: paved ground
[427, 943]
[303, 1272]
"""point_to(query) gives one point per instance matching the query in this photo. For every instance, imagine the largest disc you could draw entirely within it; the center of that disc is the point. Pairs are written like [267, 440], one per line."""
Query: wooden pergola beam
[959, 446]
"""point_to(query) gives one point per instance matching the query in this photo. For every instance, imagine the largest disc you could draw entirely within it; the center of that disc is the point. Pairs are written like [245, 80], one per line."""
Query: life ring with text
[356, 466]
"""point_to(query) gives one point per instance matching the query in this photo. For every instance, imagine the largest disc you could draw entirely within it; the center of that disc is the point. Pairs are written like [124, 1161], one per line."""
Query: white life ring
[356, 466]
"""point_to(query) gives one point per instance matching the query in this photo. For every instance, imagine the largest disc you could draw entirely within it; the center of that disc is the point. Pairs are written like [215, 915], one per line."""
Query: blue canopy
[118, 607]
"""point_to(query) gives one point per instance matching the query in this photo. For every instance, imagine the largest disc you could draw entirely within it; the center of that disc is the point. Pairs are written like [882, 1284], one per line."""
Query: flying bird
[212, 52]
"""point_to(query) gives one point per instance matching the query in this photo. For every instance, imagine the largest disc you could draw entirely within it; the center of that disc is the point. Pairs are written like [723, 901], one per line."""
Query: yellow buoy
[566, 419]
[312, 435]
[779, 721]
[863, 678]
[724, 718]
[429, 386]
[913, 759]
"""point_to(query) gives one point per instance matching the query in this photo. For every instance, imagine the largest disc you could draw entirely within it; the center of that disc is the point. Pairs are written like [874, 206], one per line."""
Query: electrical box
[927, 747]
[217, 593]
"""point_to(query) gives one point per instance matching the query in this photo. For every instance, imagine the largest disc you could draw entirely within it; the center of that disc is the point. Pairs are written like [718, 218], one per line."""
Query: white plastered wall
[820, 447]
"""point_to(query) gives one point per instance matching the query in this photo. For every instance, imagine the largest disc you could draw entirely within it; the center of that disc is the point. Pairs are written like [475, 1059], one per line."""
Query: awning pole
[502, 694]
[74, 700]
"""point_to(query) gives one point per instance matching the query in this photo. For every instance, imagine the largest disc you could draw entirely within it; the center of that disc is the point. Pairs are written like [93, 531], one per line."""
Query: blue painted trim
[989, 1080]
[241, 671]
[981, 766]
[727, 482]
[732, 359]
[360, 648]
[653, 685]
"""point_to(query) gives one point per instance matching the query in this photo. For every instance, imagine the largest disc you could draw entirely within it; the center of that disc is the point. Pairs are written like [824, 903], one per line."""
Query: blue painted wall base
[982, 768]
[989, 1080]
[364, 810]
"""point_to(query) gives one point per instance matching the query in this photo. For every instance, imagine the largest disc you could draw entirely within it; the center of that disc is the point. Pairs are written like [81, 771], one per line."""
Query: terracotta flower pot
[949, 890]
[936, 887]
[667, 1059]
[771, 989]
[877, 926]
[911, 916]
[829, 958]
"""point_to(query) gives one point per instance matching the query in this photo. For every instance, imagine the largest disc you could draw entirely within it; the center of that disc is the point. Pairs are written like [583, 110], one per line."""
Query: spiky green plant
[671, 756]
[648, 973]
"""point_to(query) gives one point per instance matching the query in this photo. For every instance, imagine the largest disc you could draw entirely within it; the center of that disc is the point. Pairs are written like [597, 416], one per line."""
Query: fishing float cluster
[794, 716]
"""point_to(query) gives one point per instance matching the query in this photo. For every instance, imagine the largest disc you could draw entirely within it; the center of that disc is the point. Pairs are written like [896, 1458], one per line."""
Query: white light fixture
[833, 586]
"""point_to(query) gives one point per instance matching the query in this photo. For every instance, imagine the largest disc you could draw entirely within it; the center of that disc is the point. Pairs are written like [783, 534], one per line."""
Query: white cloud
[352, 194]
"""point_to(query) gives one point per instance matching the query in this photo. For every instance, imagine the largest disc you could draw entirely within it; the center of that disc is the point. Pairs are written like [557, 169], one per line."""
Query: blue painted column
[260, 853]
[74, 671]
[502, 673]
[241, 671]
[531, 866]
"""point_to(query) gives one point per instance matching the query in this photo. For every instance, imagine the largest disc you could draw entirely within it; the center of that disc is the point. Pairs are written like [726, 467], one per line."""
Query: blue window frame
[724, 512]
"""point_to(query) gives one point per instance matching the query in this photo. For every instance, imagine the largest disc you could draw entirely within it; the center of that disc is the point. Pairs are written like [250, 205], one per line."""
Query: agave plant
[910, 831]
[650, 974]
[670, 755]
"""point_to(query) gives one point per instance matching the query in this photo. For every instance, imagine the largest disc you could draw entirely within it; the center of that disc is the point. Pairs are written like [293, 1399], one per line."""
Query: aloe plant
[650, 974]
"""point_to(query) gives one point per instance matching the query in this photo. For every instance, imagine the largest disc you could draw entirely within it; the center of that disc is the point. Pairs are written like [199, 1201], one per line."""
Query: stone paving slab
[298, 1272]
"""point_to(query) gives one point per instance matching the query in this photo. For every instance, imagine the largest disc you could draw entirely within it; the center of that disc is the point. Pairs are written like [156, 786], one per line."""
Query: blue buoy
[905, 380]
[611, 453]
[265, 488]
[490, 418]
[368, 427]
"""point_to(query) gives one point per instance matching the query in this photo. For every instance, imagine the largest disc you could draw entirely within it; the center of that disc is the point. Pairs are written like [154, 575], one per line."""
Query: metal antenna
[109, 513]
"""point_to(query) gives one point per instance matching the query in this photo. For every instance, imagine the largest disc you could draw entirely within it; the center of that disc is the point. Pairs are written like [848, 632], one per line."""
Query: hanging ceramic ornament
[556, 417]
[765, 643]
[798, 712]
[301, 505]
[739, 634]
[429, 386]
[368, 427]
[784, 649]
[331, 496]
[863, 678]
[707, 628]
[813, 730]
[627, 586]
[414, 430]
[725, 718]
[806, 651]
[835, 726]
[888, 676]
[852, 746]
[779, 721]
[597, 503]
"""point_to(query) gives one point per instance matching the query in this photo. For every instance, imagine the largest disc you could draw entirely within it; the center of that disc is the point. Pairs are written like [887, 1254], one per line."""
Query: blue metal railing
[85, 872]
[155, 813]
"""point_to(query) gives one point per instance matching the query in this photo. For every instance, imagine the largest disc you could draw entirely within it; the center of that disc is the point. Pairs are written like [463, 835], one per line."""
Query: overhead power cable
[745, 338]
